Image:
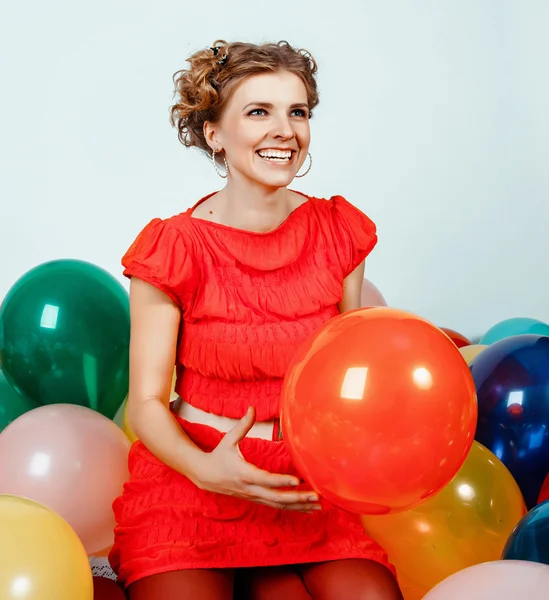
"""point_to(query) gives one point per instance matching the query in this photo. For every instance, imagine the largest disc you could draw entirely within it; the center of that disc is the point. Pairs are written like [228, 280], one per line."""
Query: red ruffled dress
[248, 300]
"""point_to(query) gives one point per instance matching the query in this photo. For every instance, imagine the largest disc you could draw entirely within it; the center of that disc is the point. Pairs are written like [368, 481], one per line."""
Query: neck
[250, 205]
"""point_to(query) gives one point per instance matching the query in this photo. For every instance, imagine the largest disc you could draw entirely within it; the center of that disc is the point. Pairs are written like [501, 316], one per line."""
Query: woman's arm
[352, 290]
[155, 321]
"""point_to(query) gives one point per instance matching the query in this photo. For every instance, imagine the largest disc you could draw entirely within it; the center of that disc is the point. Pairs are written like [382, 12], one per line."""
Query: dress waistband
[265, 430]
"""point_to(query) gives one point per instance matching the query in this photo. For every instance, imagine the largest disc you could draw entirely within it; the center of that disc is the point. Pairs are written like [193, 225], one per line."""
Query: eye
[256, 110]
[300, 112]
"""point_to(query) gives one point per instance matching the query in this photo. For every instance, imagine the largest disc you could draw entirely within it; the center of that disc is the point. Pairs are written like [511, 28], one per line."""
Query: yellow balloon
[469, 352]
[125, 423]
[466, 523]
[173, 393]
[41, 557]
[410, 590]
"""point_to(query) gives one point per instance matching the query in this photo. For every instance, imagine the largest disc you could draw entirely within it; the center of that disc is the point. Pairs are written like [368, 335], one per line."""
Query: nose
[282, 128]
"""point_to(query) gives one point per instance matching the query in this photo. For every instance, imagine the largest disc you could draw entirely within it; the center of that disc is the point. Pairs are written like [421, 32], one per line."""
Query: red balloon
[456, 337]
[378, 410]
[544, 492]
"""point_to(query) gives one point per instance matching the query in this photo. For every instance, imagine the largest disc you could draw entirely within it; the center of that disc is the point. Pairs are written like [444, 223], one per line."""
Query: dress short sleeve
[160, 257]
[355, 233]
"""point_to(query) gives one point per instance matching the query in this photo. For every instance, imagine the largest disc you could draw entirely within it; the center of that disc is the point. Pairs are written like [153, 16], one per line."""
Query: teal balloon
[65, 335]
[511, 327]
[529, 540]
[12, 403]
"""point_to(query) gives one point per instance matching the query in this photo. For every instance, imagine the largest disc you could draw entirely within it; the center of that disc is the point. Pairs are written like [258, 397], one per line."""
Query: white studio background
[433, 119]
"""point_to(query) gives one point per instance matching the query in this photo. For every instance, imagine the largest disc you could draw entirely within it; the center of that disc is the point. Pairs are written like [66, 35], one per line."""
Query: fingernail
[294, 482]
[313, 498]
[317, 507]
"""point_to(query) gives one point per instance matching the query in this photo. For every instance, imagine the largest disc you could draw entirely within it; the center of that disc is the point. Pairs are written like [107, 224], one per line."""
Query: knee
[377, 583]
[381, 584]
[352, 580]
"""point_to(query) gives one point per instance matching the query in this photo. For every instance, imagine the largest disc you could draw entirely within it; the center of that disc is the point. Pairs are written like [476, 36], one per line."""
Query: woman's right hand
[224, 471]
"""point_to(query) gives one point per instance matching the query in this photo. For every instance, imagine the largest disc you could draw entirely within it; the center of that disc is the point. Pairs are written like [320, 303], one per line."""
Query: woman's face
[264, 129]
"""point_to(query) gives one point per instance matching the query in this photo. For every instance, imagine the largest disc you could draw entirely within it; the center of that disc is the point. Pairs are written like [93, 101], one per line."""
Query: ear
[211, 135]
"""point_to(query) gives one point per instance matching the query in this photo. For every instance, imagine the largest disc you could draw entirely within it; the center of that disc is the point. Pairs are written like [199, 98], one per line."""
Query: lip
[279, 149]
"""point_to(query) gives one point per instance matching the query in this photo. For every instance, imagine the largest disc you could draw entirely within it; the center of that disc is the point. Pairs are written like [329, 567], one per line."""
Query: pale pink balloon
[371, 296]
[72, 459]
[497, 580]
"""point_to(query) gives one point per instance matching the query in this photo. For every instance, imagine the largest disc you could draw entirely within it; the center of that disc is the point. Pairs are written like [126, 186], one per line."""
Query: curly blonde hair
[204, 89]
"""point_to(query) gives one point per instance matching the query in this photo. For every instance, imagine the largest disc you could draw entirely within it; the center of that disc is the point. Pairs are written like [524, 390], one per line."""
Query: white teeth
[276, 154]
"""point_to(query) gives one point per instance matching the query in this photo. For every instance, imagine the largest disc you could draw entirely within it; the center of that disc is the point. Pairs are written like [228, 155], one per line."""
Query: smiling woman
[227, 291]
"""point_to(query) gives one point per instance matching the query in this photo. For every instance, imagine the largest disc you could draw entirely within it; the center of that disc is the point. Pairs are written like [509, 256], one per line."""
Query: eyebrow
[269, 105]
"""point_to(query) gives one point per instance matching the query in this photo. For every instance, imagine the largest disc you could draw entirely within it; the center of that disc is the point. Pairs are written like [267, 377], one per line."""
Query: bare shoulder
[208, 209]
[297, 199]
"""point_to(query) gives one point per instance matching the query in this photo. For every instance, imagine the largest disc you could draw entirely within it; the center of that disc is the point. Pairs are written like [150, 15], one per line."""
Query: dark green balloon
[12, 403]
[65, 334]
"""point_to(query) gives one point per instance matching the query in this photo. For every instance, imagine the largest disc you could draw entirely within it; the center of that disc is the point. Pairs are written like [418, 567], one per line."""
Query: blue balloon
[511, 327]
[512, 383]
[530, 538]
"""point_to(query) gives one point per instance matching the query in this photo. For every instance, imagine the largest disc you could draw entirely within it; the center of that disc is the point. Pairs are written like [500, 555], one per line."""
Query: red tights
[349, 579]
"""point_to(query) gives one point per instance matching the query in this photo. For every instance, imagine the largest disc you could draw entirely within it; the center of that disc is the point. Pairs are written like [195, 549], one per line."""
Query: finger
[310, 509]
[241, 429]
[281, 498]
[303, 508]
[256, 476]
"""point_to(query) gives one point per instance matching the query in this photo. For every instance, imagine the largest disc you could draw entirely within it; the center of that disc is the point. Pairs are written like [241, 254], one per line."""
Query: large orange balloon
[378, 410]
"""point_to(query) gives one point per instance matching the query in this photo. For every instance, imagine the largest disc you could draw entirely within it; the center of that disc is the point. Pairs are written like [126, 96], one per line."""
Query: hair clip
[224, 57]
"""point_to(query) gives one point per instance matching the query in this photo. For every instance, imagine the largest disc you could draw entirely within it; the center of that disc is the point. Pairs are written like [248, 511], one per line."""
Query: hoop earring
[310, 165]
[217, 170]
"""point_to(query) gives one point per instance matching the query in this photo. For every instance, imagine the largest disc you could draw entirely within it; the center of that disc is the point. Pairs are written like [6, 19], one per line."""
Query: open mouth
[279, 157]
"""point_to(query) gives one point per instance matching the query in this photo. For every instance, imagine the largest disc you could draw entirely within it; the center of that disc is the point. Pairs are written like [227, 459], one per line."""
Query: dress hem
[328, 557]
